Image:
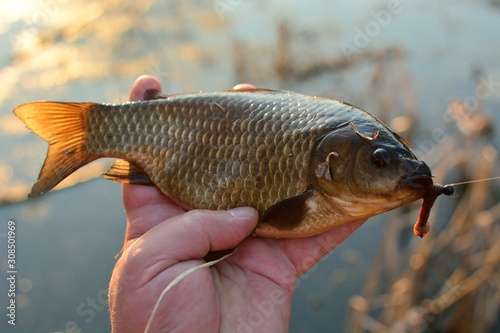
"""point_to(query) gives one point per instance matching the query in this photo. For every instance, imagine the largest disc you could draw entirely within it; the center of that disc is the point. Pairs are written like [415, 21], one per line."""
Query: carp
[307, 164]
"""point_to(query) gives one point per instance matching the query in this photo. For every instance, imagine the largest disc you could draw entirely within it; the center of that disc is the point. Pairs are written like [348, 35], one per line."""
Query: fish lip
[418, 180]
[420, 177]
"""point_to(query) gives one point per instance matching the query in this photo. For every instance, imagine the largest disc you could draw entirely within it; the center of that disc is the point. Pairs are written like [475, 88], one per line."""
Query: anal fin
[128, 173]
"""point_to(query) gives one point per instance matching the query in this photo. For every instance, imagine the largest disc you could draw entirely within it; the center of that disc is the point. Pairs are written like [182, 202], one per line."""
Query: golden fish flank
[306, 163]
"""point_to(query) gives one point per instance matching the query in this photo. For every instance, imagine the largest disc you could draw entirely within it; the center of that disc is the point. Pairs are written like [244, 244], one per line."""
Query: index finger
[143, 84]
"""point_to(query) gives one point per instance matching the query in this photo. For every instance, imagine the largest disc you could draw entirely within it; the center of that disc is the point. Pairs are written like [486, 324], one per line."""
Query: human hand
[249, 291]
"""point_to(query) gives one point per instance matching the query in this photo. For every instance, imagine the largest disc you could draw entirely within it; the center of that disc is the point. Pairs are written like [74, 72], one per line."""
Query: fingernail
[242, 212]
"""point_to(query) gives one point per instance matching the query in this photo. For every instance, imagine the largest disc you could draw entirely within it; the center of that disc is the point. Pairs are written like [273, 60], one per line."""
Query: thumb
[192, 235]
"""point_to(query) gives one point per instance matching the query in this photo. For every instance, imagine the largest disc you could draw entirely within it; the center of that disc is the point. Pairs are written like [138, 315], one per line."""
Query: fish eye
[380, 158]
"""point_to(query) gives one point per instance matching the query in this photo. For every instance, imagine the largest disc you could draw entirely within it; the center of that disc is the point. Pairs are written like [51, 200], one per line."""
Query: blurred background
[431, 70]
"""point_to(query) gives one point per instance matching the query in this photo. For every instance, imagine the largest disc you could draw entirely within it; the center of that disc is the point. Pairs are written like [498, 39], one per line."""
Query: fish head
[367, 169]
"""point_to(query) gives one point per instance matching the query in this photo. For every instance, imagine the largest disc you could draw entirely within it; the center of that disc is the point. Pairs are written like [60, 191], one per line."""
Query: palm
[232, 296]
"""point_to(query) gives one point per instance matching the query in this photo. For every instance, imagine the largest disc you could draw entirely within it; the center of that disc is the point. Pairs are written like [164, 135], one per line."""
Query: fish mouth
[419, 177]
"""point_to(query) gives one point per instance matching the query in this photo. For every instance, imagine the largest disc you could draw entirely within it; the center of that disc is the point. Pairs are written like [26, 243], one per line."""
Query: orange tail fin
[63, 126]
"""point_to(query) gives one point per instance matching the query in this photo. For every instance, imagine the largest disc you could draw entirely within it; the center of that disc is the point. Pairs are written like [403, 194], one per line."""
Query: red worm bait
[421, 227]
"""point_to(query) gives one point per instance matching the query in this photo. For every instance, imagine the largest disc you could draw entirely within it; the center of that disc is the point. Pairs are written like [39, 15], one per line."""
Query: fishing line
[177, 280]
[474, 181]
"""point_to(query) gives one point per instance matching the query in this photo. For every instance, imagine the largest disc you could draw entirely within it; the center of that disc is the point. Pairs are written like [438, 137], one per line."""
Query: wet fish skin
[295, 158]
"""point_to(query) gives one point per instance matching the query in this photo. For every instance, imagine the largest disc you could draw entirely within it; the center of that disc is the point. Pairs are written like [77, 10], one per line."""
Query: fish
[306, 163]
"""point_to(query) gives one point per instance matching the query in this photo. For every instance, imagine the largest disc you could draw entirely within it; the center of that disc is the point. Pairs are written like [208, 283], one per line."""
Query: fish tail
[64, 127]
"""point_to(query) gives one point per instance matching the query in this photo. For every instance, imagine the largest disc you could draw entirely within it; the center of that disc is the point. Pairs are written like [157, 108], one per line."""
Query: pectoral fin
[288, 213]
[128, 173]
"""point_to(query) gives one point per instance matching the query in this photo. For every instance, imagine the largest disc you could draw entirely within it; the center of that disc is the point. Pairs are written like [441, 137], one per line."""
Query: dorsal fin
[150, 94]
